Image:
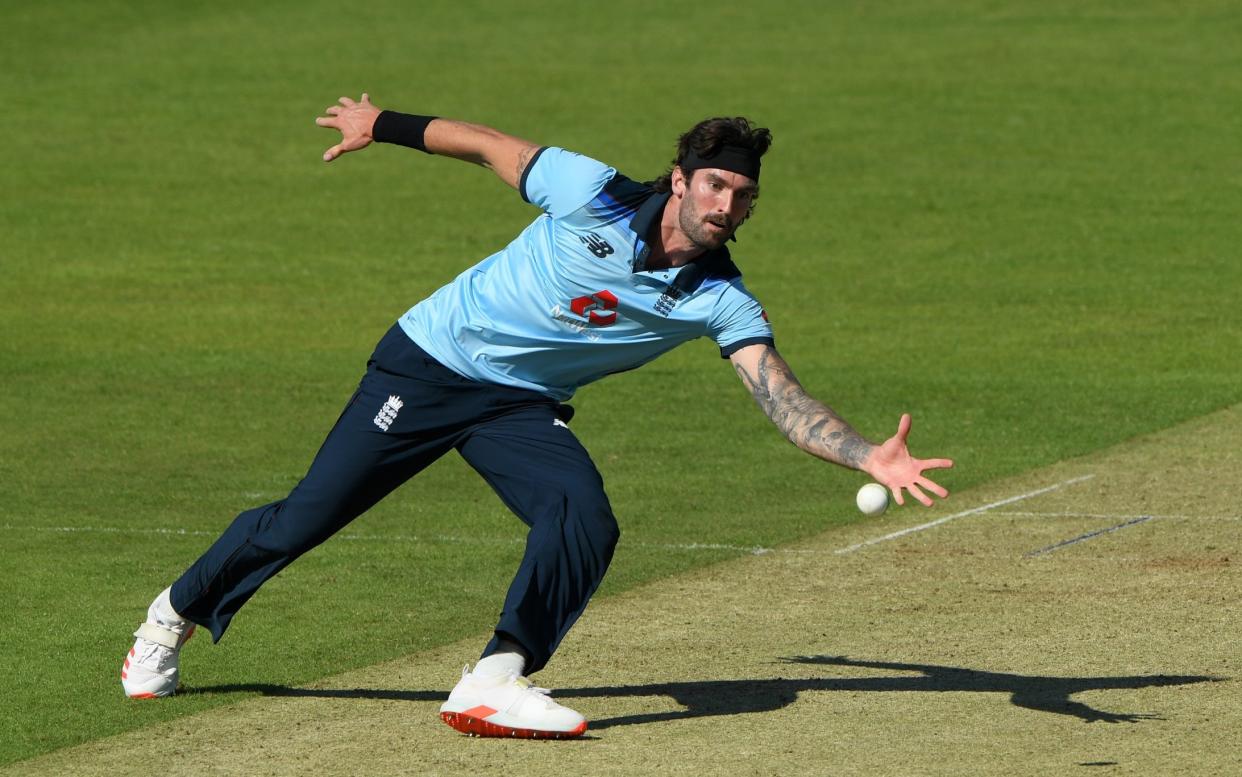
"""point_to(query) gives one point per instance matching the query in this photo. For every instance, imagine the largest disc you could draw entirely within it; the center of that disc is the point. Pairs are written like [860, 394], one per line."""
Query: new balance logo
[388, 413]
[598, 245]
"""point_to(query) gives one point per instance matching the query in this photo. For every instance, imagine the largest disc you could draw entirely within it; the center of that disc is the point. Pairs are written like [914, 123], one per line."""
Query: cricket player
[611, 274]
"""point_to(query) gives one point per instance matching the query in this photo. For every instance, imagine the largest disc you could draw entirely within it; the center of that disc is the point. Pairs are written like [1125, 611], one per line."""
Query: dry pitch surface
[955, 649]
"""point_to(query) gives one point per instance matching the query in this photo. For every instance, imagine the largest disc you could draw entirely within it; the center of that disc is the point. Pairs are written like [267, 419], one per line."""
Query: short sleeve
[561, 181]
[739, 321]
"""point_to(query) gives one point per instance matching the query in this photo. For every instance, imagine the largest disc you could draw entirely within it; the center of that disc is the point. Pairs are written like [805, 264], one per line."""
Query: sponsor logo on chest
[590, 312]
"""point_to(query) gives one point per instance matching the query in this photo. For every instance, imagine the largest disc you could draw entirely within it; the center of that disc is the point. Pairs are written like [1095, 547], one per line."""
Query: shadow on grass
[705, 698]
[1033, 692]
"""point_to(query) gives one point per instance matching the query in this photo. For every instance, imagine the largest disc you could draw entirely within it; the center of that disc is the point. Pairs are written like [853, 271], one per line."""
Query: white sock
[498, 664]
[162, 612]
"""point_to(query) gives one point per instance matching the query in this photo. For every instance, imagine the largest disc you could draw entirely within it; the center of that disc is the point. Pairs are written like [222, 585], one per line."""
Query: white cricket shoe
[508, 706]
[150, 669]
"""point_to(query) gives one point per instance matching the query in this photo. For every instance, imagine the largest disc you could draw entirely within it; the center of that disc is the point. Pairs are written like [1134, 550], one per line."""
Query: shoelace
[542, 693]
[152, 656]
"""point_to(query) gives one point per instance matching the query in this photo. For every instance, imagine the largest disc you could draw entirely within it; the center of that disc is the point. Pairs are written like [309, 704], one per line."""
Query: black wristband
[401, 129]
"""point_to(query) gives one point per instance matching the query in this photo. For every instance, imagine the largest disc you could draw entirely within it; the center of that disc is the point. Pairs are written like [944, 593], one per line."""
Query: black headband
[735, 159]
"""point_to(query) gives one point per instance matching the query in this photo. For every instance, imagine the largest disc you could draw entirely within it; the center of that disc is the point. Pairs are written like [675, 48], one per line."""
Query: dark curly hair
[709, 136]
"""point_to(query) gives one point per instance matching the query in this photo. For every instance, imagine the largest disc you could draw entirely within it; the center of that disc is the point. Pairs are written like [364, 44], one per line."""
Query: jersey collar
[647, 214]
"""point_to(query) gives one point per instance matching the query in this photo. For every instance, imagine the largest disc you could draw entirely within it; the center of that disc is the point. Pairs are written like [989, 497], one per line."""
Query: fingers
[337, 119]
[903, 427]
[915, 488]
[918, 494]
[935, 488]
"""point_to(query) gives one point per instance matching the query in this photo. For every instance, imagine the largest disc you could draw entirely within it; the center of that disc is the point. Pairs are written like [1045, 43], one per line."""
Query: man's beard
[697, 230]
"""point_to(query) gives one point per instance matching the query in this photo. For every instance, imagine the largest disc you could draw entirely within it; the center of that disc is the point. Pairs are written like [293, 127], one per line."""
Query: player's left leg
[546, 477]
[374, 446]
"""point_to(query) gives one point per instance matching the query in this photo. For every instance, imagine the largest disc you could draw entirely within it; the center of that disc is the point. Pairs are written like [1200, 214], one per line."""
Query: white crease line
[963, 514]
[754, 550]
[1115, 517]
[446, 538]
[107, 530]
[680, 547]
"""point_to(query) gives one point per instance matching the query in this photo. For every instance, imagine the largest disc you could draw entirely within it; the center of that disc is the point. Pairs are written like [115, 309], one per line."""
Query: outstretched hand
[892, 466]
[354, 120]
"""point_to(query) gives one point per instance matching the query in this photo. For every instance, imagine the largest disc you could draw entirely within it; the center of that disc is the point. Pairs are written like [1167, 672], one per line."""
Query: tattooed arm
[504, 155]
[808, 423]
[817, 429]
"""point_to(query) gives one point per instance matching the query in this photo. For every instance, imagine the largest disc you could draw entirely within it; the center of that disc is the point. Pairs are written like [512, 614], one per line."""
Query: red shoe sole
[477, 727]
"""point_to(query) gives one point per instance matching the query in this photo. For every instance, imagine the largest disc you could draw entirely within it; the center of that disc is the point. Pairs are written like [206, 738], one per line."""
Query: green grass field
[1016, 221]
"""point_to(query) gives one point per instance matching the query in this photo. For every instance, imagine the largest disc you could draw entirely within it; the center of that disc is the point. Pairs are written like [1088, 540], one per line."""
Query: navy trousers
[407, 412]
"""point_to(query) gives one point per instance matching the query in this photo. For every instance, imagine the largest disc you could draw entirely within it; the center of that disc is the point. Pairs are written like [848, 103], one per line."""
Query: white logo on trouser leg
[388, 413]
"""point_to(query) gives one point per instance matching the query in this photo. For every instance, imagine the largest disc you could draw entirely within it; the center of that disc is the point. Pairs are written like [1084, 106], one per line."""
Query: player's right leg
[382, 438]
[542, 473]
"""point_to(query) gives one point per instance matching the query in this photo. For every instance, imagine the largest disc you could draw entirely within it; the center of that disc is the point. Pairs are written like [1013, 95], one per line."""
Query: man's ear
[679, 183]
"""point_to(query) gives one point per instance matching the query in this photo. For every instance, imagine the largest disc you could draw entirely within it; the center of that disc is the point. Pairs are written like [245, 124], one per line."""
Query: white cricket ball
[872, 499]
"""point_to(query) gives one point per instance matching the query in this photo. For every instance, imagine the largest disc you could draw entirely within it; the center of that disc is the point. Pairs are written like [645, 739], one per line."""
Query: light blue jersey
[569, 301]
